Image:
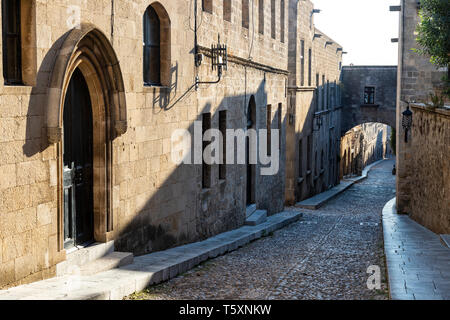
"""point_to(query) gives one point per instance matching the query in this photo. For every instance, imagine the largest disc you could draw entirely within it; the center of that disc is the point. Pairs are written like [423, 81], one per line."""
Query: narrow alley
[324, 256]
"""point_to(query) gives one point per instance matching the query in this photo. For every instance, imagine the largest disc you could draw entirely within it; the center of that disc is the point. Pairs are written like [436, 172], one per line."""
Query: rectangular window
[317, 93]
[12, 46]
[206, 168]
[300, 158]
[273, 19]
[310, 67]
[282, 20]
[227, 10]
[309, 153]
[261, 16]
[245, 14]
[207, 6]
[269, 130]
[323, 92]
[369, 95]
[302, 62]
[328, 95]
[223, 155]
[280, 124]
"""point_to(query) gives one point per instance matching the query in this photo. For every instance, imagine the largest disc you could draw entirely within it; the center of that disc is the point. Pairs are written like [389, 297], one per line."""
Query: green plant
[433, 37]
[434, 30]
[437, 101]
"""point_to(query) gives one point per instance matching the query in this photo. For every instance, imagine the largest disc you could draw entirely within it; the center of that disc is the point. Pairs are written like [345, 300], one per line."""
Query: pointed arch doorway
[78, 163]
[86, 112]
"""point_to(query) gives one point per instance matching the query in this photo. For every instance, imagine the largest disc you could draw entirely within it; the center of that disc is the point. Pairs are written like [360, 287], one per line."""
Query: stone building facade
[417, 78]
[314, 108]
[362, 146]
[82, 86]
[369, 95]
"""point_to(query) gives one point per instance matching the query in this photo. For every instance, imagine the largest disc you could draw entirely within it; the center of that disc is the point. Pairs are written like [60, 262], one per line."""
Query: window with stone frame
[207, 6]
[273, 20]
[206, 168]
[302, 63]
[245, 14]
[269, 130]
[157, 51]
[310, 67]
[282, 20]
[19, 42]
[227, 10]
[223, 154]
[261, 16]
[369, 95]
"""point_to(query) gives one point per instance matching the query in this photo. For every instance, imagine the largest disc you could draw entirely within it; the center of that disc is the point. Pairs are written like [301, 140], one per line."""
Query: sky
[363, 27]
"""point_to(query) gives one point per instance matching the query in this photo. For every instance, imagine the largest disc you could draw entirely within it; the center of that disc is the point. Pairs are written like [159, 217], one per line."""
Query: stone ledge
[147, 270]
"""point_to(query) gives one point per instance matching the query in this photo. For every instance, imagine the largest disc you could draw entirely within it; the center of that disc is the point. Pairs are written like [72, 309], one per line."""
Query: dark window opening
[152, 48]
[310, 67]
[245, 14]
[223, 154]
[369, 95]
[269, 130]
[302, 62]
[206, 168]
[273, 19]
[300, 158]
[227, 10]
[280, 123]
[12, 46]
[207, 6]
[261, 16]
[282, 20]
[317, 93]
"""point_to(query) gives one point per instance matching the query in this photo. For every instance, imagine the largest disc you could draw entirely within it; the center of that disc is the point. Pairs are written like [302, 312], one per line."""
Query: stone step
[257, 218]
[111, 261]
[251, 210]
[81, 256]
[445, 239]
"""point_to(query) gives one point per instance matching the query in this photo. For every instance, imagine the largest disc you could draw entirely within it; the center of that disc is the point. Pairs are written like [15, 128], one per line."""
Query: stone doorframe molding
[89, 50]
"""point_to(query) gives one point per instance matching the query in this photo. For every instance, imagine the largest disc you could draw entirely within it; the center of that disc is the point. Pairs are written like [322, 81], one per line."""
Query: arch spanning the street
[369, 95]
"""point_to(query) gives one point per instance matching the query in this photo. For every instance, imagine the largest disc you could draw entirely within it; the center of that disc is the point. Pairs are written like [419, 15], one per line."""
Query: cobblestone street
[324, 256]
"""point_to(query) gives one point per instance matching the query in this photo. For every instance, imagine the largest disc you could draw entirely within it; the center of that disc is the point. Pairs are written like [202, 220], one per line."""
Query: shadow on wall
[178, 209]
[166, 205]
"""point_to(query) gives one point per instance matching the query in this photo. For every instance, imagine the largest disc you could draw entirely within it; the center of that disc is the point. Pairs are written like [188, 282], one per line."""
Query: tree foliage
[434, 31]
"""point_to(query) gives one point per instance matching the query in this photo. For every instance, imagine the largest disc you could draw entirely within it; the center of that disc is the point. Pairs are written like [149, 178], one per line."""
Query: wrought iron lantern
[219, 56]
[407, 122]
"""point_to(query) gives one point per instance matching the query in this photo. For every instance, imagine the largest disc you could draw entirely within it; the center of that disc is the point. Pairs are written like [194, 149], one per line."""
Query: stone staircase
[255, 217]
[93, 259]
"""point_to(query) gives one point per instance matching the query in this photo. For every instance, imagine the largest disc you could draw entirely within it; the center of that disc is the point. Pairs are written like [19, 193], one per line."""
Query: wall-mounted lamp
[407, 121]
[219, 58]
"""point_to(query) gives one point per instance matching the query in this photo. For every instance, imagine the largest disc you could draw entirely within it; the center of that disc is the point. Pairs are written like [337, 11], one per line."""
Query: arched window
[152, 47]
[157, 53]
[19, 42]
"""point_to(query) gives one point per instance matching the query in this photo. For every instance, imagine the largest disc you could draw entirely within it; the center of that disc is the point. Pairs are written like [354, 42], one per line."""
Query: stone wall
[430, 169]
[383, 109]
[417, 78]
[152, 203]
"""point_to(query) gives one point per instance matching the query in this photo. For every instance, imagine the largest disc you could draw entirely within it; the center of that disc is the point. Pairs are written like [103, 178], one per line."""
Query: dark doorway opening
[78, 164]
[251, 168]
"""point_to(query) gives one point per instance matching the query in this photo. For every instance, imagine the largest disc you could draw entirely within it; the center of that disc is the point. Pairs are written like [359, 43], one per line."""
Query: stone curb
[147, 270]
[320, 200]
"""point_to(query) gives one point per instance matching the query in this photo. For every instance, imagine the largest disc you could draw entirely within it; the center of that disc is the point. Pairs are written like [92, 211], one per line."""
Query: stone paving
[418, 262]
[326, 255]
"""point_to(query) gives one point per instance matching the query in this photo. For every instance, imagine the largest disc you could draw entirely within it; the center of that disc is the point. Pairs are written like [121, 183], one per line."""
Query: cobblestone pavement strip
[324, 256]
